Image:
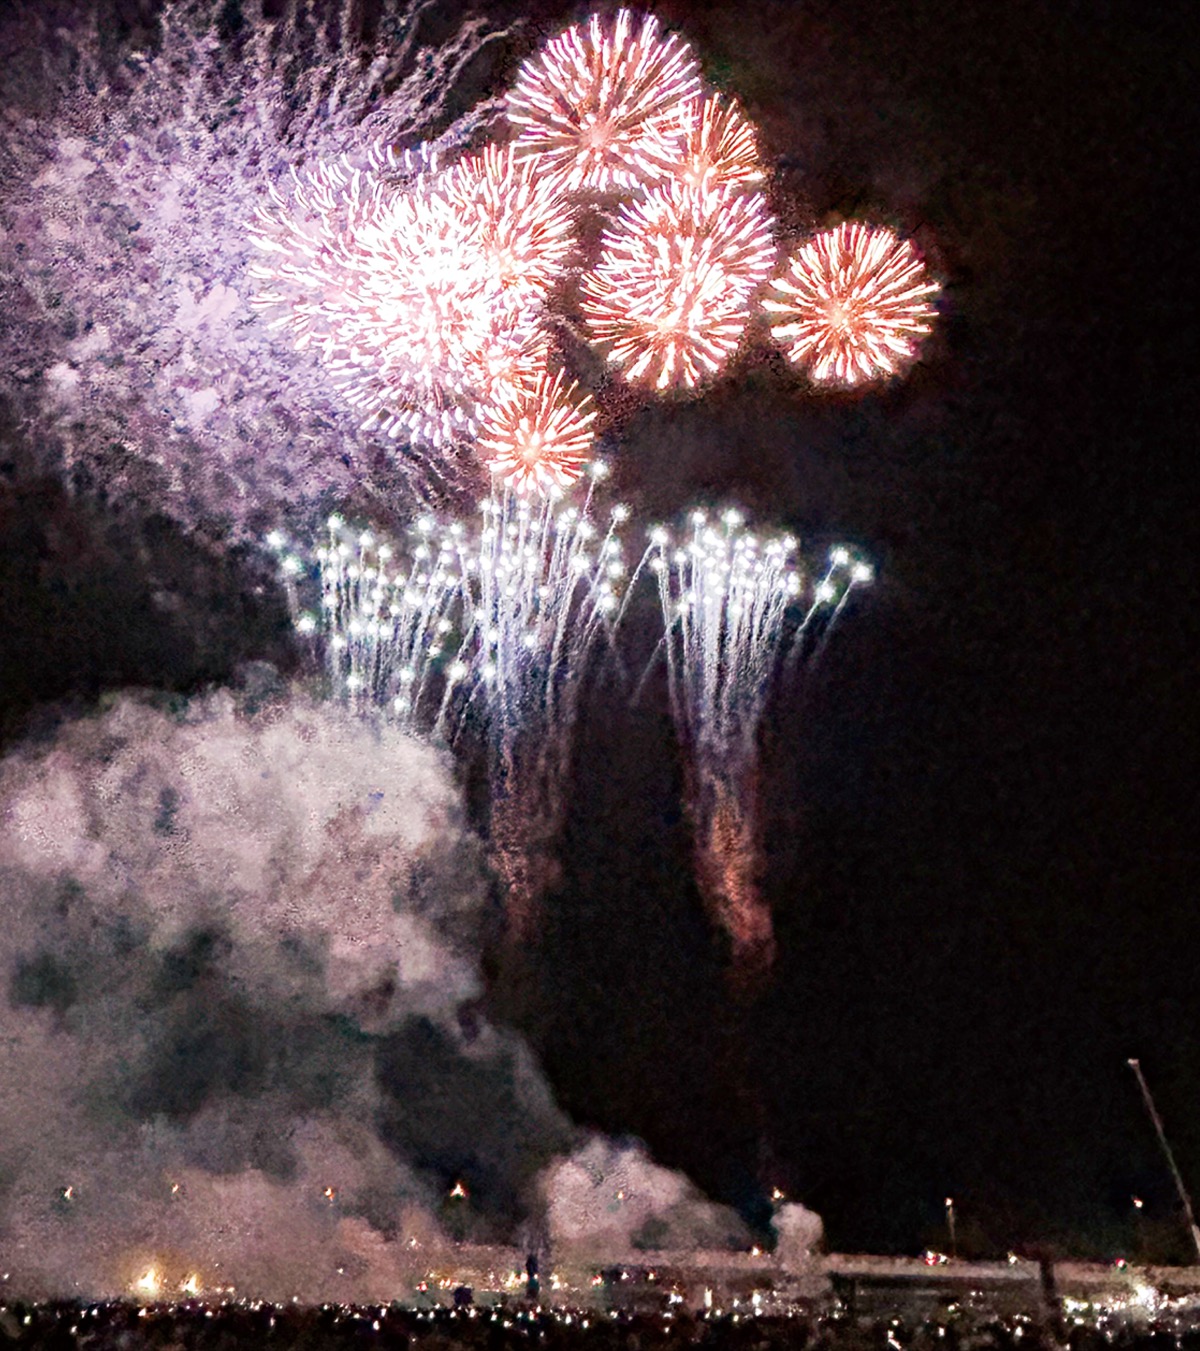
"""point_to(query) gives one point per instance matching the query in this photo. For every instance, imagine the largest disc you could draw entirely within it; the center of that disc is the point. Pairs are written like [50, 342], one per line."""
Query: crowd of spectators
[122, 1326]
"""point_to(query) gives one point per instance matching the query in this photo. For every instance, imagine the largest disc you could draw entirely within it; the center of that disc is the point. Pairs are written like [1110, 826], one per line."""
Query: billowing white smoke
[231, 944]
[130, 180]
[609, 1201]
[238, 1041]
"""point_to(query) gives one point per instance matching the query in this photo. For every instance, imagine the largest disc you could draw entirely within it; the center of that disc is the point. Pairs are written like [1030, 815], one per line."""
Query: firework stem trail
[729, 603]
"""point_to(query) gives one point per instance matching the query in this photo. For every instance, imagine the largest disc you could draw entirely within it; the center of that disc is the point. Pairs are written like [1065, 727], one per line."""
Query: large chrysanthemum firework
[420, 299]
[671, 294]
[536, 436]
[594, 100]
[855, 304]
[710, 144]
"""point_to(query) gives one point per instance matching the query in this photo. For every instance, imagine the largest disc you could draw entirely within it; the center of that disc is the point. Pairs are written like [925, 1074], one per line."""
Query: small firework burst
[855, 304]
[711, 144]
[671, 294]
[594, 101]
[536, 436]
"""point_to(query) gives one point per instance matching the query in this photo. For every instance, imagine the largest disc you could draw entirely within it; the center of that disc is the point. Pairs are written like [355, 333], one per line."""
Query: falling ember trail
[734, 609]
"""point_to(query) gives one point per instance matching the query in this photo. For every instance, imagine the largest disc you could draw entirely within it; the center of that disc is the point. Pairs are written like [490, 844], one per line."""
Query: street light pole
[1136, 1067]
[950, 1226]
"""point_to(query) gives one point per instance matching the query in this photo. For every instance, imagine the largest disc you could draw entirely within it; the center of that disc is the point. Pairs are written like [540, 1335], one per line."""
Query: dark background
[980, 808]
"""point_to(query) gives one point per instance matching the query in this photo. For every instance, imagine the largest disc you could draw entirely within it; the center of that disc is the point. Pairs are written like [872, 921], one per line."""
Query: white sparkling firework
[490, 628]
[734, 606]
[672, 292]
[596, 99]
[390, 620]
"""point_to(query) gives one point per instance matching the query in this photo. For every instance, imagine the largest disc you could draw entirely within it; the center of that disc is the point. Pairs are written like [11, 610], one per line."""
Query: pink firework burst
[712, 143]
[671, 294]
[594, 101]
[520, 216]
[855, 305]
[536, 435]
[420, 299]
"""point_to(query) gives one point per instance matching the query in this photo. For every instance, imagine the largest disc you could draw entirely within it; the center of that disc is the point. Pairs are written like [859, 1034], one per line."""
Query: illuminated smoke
[235, 949]
[129, 183]
[712, 144]
[608, 1202]
[593, 101]
[854, 307]
[672, 292]
[734, 606]
[536, 437]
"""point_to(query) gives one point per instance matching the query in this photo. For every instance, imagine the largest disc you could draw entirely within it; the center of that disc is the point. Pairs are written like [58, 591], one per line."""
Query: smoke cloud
[240, 1034]
[236, 954]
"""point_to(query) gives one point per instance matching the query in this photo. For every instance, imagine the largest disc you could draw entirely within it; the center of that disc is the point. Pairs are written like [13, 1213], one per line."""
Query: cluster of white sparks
[726, 596]
[491, 628]
[496, 620]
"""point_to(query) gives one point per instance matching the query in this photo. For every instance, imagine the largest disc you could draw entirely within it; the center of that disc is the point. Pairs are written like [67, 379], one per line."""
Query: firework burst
[711, 144]
[536, 436]
[734, 607]
[595, 101]
[854, 306]
[671, 294]
[422, 299]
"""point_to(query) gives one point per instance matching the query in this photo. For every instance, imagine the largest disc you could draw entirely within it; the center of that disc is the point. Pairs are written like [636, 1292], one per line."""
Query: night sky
[980, 806]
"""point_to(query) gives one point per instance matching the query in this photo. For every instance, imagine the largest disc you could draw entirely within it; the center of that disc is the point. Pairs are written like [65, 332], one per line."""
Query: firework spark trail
[596, 99]
[671, 294]
[491, 628]
[855, 305]
[729, 603]
[542, 587]
[390, 625]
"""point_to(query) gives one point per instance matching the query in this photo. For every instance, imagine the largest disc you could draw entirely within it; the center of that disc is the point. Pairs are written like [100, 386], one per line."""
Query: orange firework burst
[536, 435]
[671, 294]
[855, 305]
[593, 102]
[712, 143]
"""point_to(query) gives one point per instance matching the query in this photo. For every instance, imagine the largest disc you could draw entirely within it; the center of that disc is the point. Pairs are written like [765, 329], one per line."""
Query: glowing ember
[595, 100]
[855, 305]
[672, 292]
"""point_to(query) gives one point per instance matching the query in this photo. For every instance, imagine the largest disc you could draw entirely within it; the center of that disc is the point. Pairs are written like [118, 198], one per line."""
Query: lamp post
[950, 1226]
[1136, 1067]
